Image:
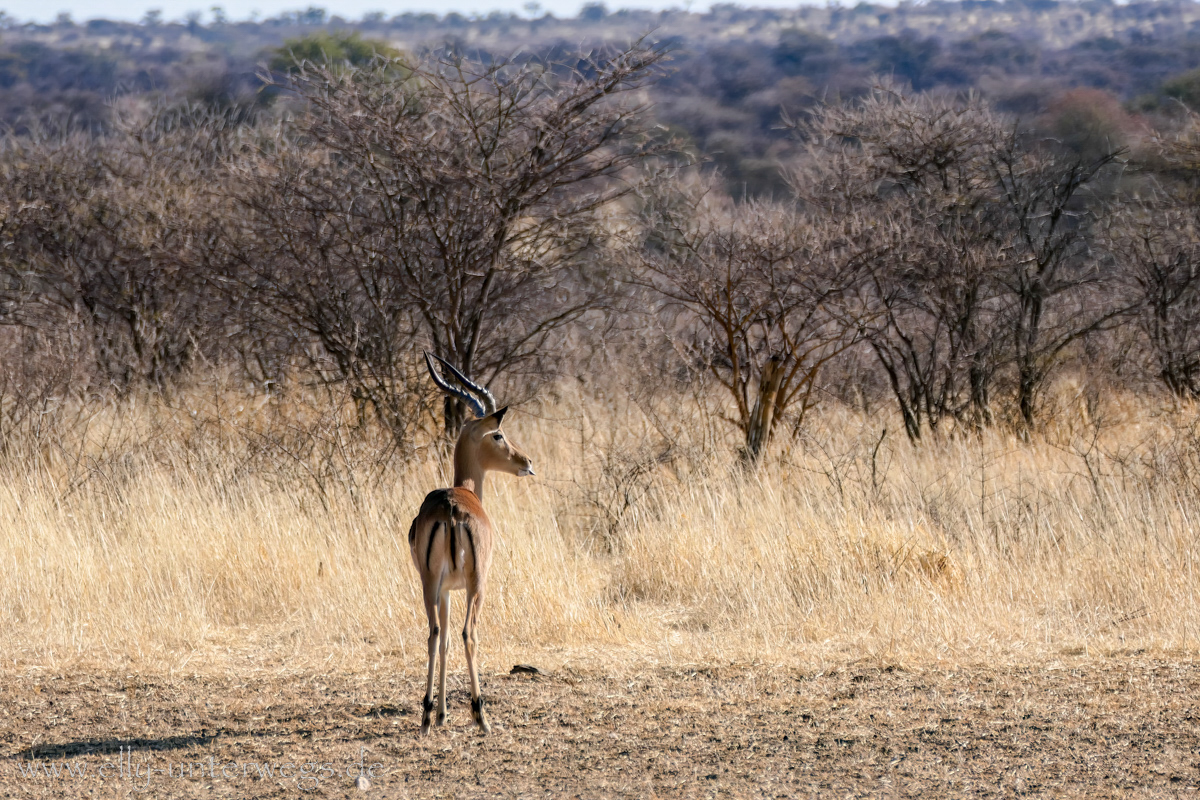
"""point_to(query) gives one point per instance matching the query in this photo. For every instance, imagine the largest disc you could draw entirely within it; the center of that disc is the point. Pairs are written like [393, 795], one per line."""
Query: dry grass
[215, 530]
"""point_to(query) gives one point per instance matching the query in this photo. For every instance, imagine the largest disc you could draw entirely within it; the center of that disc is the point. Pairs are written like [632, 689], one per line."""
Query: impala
[451, 538]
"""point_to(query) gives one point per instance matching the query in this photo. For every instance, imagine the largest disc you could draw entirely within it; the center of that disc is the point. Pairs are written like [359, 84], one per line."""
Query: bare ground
[1118, 726]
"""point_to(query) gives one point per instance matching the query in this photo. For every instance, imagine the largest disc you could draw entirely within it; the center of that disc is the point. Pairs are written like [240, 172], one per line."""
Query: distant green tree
[332, 49]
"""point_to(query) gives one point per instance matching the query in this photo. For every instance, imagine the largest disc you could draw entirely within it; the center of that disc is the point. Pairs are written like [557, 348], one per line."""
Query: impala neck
[467, 472]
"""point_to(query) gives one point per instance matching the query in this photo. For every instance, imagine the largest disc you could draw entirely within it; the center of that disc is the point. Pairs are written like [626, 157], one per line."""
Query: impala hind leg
[474, 601]
[443, 620]
[431, 611]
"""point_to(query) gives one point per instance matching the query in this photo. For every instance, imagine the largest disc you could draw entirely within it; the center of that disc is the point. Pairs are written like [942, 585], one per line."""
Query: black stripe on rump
[453, 547]
[471, 541]
[429, 547]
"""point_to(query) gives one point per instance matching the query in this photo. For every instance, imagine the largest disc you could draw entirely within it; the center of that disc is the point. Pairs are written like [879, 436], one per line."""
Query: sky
[134, 10]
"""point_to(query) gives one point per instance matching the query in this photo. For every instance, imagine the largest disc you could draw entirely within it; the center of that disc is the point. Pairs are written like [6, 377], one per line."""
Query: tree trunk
[762, 417]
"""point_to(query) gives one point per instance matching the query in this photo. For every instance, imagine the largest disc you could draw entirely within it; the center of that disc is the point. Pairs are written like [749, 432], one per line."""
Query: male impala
[451, 538]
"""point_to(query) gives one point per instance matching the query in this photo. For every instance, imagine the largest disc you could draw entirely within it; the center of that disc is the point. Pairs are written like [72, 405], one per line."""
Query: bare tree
[103, 231]
[758, 287]
[1054, 287]
[988, 271]
[917, 166]
[1155, 242]
[445, 201]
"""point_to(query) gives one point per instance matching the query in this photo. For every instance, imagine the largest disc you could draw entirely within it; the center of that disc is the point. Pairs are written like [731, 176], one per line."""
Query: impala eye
[499, 437]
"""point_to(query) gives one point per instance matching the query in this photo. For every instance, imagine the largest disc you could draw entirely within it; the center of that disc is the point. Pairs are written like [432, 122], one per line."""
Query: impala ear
[499, 415]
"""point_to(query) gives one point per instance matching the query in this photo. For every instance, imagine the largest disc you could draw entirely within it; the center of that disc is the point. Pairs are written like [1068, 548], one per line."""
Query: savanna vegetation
[863, 399]
[938, 400]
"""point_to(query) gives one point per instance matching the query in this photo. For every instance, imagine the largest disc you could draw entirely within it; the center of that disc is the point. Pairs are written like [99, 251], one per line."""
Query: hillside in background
[735, 70]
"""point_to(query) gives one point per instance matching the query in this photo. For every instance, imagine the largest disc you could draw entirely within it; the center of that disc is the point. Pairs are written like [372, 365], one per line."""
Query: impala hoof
[480, 717]
[426, 715]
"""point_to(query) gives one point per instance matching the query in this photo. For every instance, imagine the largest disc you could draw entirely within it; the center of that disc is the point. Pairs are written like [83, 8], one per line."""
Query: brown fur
[444, 514]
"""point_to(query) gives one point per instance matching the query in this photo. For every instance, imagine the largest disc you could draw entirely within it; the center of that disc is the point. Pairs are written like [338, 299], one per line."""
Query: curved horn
[489, 402]
[471, 400]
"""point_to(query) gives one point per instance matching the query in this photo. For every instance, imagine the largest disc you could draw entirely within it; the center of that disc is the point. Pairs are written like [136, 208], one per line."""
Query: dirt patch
[1115, 727]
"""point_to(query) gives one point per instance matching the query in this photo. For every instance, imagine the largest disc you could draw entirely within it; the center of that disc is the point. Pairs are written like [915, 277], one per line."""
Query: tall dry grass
[218, 531]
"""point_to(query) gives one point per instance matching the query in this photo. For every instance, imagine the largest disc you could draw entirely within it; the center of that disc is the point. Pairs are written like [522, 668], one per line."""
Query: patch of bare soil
[1114, 727]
